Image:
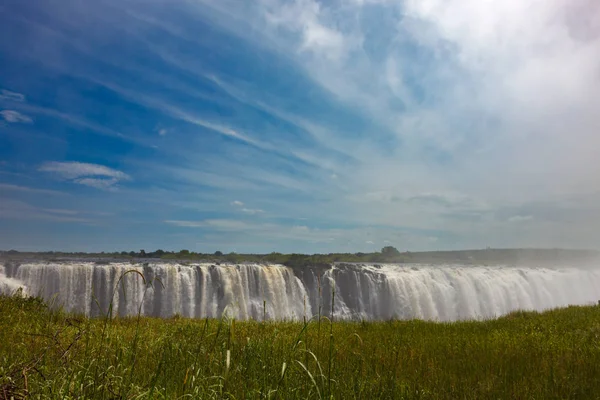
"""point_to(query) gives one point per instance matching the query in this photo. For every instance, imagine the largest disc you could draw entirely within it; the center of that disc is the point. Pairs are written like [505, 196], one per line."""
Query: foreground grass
[49, 354]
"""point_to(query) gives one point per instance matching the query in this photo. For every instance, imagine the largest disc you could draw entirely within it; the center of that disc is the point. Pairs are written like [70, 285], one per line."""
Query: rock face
[243, 291]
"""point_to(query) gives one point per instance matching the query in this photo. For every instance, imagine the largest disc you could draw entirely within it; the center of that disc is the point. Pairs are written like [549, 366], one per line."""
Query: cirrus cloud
[92, 175]
[14, 117]
[7, 95]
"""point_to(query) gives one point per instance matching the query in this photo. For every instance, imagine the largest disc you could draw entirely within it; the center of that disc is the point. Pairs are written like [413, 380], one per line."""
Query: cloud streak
[92, 175]
[15, 117]
[7, 95]
[17, 188]
[19, 210]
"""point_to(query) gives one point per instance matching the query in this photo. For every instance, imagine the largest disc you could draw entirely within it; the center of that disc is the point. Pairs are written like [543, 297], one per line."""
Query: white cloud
[252, 211]
[15, 117]
[97, 183]
[238, 204]
[304, 17]
[162, 132]
[223, 130]
[320, 38]
[218, 224]
[7, 95]
[72, 170]
[186, 224]
[93, 175]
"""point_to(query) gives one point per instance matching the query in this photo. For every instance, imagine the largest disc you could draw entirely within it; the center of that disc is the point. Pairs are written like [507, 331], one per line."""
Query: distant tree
[142, 253]
[184, 252]
[390, 251]
[159, 253]
[375, 257]
[234, 257]
[218, 253]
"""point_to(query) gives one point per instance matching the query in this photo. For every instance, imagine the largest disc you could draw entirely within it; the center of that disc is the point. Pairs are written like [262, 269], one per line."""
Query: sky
[299, 125]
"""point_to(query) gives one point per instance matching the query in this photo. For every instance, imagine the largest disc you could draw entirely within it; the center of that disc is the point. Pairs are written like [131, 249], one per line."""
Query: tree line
[388, 254]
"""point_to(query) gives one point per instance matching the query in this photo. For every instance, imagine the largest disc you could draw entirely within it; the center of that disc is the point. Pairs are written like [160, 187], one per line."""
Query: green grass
[51, 354]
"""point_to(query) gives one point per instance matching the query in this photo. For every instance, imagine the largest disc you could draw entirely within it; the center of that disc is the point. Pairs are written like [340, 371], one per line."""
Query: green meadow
[47, 353]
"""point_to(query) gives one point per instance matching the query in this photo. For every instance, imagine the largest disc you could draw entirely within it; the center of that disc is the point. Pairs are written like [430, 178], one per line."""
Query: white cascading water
[8, 285]
[443, 293]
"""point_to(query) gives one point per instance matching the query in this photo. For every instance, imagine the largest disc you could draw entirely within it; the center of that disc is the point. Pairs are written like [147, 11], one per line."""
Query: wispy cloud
[220, 224]
[93, 175]
[305, 18]
[82, 123]
[16, 188]
[14, 209]
[250, 211]
[13, 116]
[98, 183]
[183, 115]
[72, 170]
[7, 95]
[61, 211]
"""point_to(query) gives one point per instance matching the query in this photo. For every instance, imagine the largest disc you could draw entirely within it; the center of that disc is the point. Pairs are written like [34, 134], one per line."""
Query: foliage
[390, 251]
[387, 254]
[46, 353]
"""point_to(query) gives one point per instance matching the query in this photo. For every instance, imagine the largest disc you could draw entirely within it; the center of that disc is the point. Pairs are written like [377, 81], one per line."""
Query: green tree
[390, 251]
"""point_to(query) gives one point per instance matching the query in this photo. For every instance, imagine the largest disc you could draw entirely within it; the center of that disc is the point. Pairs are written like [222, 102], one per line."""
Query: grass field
[50, 354]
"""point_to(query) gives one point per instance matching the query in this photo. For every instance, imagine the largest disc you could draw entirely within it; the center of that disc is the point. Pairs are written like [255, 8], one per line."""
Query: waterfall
[374, 292]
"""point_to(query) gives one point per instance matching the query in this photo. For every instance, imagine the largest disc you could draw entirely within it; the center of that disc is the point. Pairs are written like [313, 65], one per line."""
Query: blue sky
[300, 125]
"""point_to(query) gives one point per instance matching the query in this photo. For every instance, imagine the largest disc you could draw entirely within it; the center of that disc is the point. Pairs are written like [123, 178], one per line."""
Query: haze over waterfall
[447, 292]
